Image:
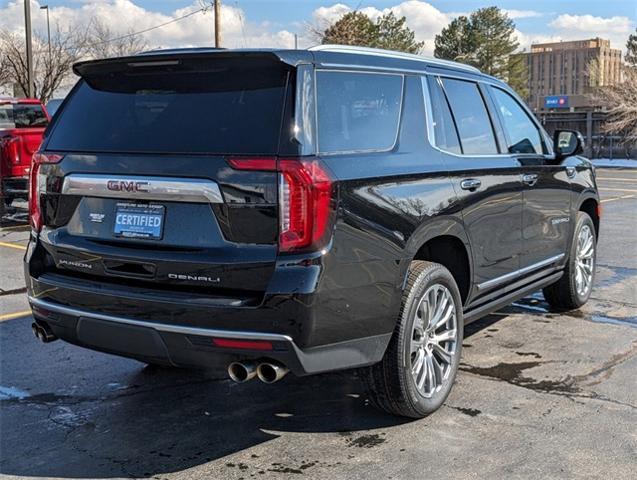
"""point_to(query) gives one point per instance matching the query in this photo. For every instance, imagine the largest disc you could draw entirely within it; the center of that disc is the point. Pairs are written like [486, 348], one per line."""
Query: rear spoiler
[176, 57]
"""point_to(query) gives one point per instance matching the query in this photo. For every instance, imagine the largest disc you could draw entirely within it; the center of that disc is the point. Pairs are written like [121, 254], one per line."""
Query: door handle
[470, 184]
[530, 179]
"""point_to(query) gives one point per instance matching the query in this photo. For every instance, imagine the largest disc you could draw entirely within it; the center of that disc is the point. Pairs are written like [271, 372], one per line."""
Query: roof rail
[379, 52]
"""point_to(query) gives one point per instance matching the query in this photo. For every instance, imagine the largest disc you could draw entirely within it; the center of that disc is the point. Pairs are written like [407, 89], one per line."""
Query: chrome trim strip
[169, 189]
[509, 276]
[207, 332]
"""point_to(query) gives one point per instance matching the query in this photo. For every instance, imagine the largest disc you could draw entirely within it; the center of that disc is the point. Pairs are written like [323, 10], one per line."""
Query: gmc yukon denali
[304, 211]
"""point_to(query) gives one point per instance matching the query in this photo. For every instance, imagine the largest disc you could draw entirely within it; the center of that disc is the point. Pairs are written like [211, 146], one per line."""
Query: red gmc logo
[126, 186]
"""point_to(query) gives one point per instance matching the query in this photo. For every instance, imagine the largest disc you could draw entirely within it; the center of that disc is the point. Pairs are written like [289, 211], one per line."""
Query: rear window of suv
[218, 107]
[22, 115]
[357, 111]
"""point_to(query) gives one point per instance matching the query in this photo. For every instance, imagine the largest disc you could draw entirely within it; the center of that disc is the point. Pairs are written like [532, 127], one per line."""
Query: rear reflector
[253, 163]
[242, 344]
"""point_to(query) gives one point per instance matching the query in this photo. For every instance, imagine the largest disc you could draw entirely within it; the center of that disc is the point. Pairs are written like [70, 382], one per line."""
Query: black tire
[563, 294]
[390, 383]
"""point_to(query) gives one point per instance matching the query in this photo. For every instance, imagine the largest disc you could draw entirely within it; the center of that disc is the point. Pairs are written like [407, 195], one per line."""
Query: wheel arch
[444, 241]
[589, 203]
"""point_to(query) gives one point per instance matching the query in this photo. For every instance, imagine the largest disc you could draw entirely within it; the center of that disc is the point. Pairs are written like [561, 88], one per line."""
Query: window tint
[22, 116]
[357, 111]
[522, 134]
[446, 136]
[219, 108]
[472, 119]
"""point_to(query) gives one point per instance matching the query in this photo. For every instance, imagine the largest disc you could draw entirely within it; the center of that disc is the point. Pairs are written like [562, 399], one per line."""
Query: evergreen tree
[631, 50]
[456, 41]
[356, 28]
[486, 40]
[393, 34]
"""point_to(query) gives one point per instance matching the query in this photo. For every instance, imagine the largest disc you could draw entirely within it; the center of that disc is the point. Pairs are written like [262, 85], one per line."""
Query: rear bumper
[181, 345]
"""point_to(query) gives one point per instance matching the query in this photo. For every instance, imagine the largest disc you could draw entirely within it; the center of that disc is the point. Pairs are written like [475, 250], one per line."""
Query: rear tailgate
[145, 194]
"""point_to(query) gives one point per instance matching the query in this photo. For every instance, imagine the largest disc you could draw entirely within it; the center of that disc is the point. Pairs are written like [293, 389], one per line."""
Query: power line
[133, 34]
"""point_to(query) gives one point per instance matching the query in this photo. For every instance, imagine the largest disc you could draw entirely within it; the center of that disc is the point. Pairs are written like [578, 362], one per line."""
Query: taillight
[37, 186]
[305, 199]
[305, 195]
[11, 149]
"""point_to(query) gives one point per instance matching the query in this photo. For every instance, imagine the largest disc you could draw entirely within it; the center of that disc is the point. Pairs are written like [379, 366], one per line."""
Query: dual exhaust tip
[43, 332]
[267, 372]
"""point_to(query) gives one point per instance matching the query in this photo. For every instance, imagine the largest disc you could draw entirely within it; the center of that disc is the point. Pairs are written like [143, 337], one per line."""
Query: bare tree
[621, 101]
[103, 43]
[50, 71]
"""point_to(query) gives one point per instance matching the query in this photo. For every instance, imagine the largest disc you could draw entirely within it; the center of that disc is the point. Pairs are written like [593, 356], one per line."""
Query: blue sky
[273, 23]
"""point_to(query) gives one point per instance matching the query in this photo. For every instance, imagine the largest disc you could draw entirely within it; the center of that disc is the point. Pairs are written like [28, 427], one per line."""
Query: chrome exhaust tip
[242, 372]
[43, 333]
[271, 372]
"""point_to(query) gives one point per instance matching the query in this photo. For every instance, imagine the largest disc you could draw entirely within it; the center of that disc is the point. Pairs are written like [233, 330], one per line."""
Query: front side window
[522, 134]
[357, 111]
[472, 119]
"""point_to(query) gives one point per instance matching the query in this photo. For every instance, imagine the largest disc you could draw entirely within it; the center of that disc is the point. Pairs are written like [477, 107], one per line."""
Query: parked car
[53, 105]
[311, 211]
[22, 123]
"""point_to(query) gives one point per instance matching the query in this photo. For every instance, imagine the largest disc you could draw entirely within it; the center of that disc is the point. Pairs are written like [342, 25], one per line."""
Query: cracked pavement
[539, 394]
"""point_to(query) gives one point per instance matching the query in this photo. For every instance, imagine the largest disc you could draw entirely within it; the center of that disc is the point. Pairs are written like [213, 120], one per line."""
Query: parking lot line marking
[613, 179]
[617, 198]
[11, 316]
[14, 227]
[618, 189]
[12, 245]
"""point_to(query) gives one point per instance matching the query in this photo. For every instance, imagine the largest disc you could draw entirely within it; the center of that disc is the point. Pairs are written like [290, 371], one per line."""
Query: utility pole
[48, 27]
[27, 27]
[217, 23]
[296, 42]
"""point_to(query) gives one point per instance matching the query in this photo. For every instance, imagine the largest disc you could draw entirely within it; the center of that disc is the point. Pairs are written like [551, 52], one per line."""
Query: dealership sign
[556, 101]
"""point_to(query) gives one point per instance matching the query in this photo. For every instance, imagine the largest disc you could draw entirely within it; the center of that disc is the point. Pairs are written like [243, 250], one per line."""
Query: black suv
[316, 210]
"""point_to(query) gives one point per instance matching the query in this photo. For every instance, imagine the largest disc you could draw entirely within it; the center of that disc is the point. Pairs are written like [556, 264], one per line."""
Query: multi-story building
[561, 73]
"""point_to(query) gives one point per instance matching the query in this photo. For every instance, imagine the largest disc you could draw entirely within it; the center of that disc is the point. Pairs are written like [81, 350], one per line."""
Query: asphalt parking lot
[539, 395]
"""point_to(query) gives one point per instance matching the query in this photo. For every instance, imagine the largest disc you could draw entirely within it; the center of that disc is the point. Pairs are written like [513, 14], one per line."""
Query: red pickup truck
[22, 123]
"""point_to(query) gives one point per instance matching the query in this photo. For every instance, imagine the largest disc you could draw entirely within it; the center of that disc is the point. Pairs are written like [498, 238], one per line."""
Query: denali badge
[556, 221]
[127, 186]
[194, 278]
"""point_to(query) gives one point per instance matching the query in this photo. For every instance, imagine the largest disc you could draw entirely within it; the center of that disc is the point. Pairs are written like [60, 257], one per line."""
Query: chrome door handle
[529, 178]
[470, 184]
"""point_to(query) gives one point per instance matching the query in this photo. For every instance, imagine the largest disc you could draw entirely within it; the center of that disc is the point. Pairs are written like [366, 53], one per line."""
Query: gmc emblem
[126, 186]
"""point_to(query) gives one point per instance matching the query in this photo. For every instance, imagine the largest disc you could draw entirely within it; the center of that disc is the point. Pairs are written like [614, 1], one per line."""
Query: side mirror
[567, 143]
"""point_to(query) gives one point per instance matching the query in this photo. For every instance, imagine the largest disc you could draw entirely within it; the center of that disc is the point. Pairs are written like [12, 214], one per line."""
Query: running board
[507, 299]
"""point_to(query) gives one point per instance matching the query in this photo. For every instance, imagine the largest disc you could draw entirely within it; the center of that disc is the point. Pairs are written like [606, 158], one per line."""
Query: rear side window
[522, 134]
[212, 107]
[357, 111]
[445, 134]
[22, 116]
[471, 117]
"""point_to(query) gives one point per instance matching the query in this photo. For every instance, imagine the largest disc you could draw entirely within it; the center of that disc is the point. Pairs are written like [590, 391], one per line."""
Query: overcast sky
[263, 23]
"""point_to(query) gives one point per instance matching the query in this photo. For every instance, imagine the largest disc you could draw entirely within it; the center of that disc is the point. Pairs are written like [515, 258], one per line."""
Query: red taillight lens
[11, 149]
[37, 186]
[305, 195]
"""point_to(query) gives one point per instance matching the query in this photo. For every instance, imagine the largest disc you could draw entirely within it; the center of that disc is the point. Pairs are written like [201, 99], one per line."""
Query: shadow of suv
[270, 211]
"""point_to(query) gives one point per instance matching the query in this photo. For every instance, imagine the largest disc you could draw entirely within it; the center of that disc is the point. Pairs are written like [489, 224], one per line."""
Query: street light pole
[217, 23]
[27, 27]
[48, 27]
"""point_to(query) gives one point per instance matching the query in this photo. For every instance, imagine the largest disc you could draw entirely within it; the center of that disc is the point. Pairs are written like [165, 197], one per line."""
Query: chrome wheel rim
[434, 340]
[584, 260]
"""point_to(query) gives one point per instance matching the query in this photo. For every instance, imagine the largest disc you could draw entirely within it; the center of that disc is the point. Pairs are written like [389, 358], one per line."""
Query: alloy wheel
[584, 260]
[434, 340]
